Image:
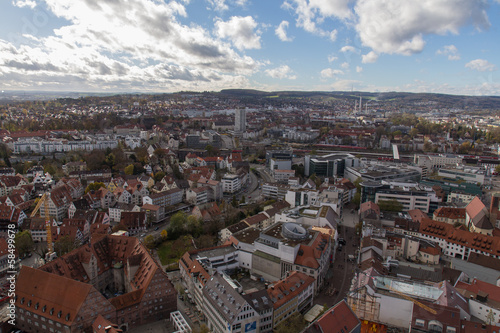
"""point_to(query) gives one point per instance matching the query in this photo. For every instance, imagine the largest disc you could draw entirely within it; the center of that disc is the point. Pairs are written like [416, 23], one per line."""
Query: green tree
[177, 225]
[193, 226]
[497, 169]
[159, 176]
[65, 245]
[150, 242]
[94, 187]
[234, 202]
[129, 170]
[24, 243]
[390, 205]
[294, 323]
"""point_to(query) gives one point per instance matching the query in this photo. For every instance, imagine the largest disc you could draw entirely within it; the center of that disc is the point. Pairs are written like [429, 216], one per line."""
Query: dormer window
[29, 303]
[59, 314]
[44, 308]
[51, 311]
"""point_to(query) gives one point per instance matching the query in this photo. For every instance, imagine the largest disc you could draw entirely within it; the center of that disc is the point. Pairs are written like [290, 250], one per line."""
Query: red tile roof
[443, 230]
[285, 290]
[477, 286]
[52, 296]
[338, 319]
[450, 213]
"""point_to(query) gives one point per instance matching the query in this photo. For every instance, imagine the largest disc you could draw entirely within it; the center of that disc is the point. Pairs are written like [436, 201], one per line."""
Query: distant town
[249, 211]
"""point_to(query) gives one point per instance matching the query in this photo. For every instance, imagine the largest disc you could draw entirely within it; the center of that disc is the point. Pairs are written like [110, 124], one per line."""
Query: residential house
[116, 211]
[135, 222]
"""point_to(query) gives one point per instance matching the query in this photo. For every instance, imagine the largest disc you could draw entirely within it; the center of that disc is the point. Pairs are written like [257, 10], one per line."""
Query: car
[339, 248]
[342, 241]
[156, 229]
[143, 235]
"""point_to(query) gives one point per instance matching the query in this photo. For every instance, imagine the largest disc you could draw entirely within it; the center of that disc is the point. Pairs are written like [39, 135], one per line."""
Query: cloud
[348, 48]
[369, 58]
[24, 3]
[218, 5]
[359, 69]
[127, 44]
[345, 65]
[332, 58]
[481, 65]
[311, 13]
[451, 51]
[281, 32]
[330, 72]
[282, 72]
[394, 26]
[240, 30]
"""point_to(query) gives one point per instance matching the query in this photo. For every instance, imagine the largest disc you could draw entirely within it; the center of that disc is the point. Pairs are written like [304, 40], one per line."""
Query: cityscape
[247, 211]
[239, 166]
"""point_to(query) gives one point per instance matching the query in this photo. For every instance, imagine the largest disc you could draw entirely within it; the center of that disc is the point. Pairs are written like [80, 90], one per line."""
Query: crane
[44, 200]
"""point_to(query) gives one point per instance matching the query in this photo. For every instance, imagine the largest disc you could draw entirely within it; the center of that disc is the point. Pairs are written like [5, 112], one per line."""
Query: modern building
[468, 174]
[231, 183]
[240, 121]
[285, 154]
[330, 165]
[275, 190]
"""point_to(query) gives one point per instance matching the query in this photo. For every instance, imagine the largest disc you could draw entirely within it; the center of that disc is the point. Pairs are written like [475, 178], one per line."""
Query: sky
[439, 46]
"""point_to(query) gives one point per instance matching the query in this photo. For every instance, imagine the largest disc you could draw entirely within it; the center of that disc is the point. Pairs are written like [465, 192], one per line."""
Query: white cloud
[332, 58]
[281, 32]
[395, 26]
[218, 5]
[240, 30]
[369, 58]
[451, 51]
[330, 72]
[127, 45]
[311, 14]
[333, 35]
[345, 65]
[282, 72]
[24, 3]
[481, 65]
[348, 48]
[359, 69]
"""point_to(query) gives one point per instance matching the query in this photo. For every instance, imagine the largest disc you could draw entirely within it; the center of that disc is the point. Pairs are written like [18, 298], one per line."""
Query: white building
[231, 183]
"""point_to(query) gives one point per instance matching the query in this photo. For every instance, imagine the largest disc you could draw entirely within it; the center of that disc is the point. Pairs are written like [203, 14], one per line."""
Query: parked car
[342, 241]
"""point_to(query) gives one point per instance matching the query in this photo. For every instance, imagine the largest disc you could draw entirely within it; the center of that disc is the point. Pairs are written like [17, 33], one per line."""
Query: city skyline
[440, 46]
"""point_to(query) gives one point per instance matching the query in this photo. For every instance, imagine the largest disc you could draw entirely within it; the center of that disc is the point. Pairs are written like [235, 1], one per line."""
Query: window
[419, 322]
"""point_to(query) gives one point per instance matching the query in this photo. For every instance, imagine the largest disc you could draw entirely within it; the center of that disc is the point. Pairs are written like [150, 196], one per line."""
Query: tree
[234, 202]
[149, 241]
[204, 241]
[177, 225]
[390, 205]
[65, 245]
[294, 323]
[193, 226]
[129, 170]
[94, 187]
[159, 176]
[164, 235]
[24, 242]
[497, 169]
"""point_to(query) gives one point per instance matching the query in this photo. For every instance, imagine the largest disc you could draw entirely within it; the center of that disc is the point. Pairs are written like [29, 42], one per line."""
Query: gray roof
[220, 295]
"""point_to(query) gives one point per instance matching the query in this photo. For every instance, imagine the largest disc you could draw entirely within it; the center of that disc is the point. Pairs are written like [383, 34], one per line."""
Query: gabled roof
[54, 297]
[338, 319]
[450, 213]
[285, 290]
